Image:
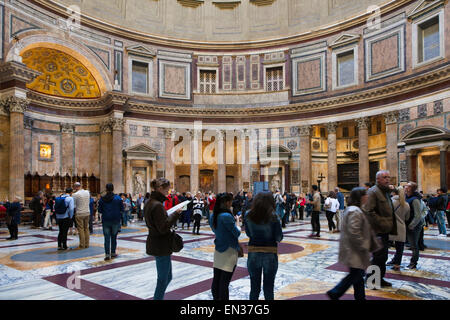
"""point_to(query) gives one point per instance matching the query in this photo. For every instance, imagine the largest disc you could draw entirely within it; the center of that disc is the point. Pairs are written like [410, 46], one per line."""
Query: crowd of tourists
[371, 219]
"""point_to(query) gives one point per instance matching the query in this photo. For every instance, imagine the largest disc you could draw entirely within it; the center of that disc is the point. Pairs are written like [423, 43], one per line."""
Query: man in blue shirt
[64, 218]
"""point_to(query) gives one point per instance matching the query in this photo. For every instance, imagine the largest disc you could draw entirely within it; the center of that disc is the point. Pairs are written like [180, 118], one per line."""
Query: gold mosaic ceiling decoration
[62, 74]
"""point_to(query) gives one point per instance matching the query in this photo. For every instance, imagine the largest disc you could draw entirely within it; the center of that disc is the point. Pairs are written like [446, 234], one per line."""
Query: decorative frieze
[422, 111]
[403, 115]
[438, 107]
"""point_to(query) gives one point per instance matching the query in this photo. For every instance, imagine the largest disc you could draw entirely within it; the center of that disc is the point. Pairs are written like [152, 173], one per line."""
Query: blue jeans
[124, 218]
[440, 217]
[110, 230]
[257, 264]
[413, 239]
[164, 270]
[355, 278]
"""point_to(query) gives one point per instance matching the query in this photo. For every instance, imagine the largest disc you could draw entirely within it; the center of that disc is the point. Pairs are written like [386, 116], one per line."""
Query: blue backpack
[60, 205]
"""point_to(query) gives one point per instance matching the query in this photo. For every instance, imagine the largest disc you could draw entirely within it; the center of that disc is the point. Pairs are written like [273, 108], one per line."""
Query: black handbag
[176, 242]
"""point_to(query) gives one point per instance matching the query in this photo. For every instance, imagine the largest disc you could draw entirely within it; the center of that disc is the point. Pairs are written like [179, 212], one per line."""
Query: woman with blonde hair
[401, 210]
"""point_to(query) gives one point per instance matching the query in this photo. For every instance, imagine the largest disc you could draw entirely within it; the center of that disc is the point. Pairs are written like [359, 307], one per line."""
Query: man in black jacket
[37, 206]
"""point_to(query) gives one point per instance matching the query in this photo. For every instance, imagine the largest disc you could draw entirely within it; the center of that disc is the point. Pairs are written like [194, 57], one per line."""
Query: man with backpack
[64, 210]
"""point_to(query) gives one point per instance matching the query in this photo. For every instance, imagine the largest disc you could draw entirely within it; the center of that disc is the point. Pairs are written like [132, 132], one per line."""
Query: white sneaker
[442, 236]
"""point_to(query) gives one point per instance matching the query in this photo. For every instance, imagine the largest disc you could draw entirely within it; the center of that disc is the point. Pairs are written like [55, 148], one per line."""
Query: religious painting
[45, 151]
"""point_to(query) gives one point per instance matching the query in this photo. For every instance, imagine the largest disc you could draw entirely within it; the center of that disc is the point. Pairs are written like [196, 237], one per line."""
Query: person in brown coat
[159, 234]
[380, 212]
[357, 241]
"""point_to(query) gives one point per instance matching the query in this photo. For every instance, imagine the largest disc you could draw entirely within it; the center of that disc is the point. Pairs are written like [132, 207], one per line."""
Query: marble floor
[32, 269]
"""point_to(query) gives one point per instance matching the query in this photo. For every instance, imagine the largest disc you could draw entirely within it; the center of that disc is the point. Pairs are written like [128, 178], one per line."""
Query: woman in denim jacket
[263, 227]
[227, 231]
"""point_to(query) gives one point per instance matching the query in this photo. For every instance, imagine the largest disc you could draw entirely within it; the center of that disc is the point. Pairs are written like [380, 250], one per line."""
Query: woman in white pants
[49, 209]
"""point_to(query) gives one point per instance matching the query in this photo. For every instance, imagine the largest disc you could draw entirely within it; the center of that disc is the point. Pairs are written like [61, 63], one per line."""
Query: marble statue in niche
[139, 183]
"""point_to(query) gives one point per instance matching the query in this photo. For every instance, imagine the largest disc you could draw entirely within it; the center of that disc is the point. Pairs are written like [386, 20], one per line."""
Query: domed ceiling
[62, 75]
[219, 20]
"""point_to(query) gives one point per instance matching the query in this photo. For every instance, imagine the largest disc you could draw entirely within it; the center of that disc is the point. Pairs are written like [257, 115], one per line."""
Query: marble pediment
[140, 152]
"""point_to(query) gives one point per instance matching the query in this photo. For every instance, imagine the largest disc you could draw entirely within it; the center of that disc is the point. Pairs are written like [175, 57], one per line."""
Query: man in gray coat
[380, 212]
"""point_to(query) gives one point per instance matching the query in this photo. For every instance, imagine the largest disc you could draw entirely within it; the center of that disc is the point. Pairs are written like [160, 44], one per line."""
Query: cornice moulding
[112, 98]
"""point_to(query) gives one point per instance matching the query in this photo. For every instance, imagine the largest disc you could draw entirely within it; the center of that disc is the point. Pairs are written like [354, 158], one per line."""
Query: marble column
[411, 162]
[305, 158]
[28, 151]
[246, 160]
[169, 164]
[128, 177]
[194, 177]
[117, 125]
[221, 163]
[363, 141]
[390, 119]
[443, 165]
[16, 107]
[67, 148]
[105, 154]
[332, 155]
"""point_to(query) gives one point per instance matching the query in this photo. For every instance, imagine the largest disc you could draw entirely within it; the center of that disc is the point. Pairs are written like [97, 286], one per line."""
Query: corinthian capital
[331, 127]
[305, 130]
[391, 117]
[117, 124]
[363, 123]
[105, 126]
[168, 132]
[14, 104]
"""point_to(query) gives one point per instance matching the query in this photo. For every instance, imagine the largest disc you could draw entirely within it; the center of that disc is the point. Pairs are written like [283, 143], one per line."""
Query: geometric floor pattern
[32, 269]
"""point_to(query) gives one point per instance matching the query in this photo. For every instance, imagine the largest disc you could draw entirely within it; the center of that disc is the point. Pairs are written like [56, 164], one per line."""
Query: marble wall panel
[46, 125]
[89, 128]
[174, 80]
[87, 154]
[308, 74]
[385, 54]
[438, 121]
[42, 166]
[377, 141]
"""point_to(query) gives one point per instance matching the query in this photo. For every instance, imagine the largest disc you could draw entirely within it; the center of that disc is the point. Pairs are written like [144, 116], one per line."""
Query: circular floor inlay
[52, 254]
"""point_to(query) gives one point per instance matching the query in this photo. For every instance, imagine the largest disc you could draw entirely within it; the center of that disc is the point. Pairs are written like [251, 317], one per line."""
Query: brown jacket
[316, 201]
[379, 210]
[357, 239]
[158, 223]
